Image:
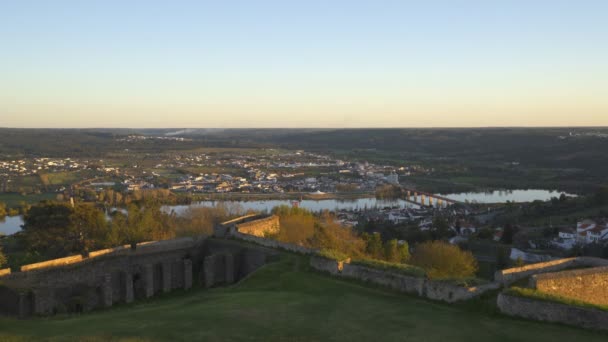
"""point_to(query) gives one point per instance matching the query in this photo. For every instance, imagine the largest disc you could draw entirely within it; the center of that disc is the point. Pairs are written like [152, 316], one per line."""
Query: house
[567, 233]
[498, 234]
[397, 217]
[597, 234]
[589, 231]
[467, 229]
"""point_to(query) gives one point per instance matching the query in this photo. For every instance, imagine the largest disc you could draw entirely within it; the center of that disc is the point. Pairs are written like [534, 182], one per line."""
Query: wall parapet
[511, 275]
[589, 285]
[52, 263]
[420, 286]
[552, 312]
[141, 249]
[270, 243]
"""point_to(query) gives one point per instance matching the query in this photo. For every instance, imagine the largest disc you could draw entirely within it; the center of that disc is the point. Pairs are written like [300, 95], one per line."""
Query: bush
[333, 254]
[444, 261]
[405, 269]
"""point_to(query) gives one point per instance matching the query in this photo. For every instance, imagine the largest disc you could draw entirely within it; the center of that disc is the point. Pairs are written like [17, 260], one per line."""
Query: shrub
[442, 260]
[333, 254]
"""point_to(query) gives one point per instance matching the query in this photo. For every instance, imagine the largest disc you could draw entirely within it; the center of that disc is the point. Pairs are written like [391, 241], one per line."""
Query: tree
[601, 196]
[47, 230]
[391, 251]
[91, 225]
[404, 252]
[3, 259]
[444, 261]
[2, 210]
[373, 245]
[508, 234]
[56, 229]
[441, 228]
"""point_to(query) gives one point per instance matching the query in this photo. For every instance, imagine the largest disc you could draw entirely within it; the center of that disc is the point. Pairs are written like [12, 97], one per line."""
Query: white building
[589, 231]
[392, 178]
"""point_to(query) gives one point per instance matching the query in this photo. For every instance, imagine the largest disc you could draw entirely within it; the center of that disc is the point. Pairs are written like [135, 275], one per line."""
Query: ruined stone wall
[511, 275]
[552, 312]
[588, 285]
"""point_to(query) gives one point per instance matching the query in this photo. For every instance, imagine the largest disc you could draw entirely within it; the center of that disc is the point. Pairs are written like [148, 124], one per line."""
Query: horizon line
[302, 128]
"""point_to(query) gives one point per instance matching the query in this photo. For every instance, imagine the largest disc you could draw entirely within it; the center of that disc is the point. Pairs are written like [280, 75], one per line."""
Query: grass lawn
[286, 302]
[13, 199]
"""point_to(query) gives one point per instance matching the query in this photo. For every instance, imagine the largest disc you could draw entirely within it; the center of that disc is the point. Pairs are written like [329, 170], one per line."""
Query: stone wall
[260, 227]
[588, 285]
[52, 263]
[552, 312]
[273, 243]
[511, 275]
[122, 274]
[436, 290]
[253, 228]
[77, 284]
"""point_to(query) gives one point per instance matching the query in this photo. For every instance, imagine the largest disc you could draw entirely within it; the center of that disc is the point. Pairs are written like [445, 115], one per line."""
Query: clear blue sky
[305, 63]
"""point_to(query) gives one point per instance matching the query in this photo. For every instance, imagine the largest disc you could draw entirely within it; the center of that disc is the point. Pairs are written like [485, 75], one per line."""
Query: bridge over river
[427, 199]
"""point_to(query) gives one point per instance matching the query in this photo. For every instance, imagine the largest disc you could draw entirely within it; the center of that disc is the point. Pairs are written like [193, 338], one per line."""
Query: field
[287, 302]
[13, 199]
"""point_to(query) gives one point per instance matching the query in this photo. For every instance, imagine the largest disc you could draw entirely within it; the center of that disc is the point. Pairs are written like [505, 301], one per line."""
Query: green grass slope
[287, 302]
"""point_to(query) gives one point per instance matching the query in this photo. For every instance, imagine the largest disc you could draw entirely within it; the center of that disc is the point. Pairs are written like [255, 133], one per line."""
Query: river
[10, 225]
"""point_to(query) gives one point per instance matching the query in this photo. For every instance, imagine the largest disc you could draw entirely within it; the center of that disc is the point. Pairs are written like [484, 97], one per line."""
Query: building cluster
[279, 172]
[264, 171]
[586, 232]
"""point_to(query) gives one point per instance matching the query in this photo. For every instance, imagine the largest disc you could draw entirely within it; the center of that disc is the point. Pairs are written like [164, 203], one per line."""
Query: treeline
[54, 229]
[113, 197]
[440, 259]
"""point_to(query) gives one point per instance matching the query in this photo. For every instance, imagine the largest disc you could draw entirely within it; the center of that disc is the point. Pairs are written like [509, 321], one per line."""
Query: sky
[307, 63]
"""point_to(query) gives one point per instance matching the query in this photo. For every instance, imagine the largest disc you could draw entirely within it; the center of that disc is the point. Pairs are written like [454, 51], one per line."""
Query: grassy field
[286, 302]
[13, 199]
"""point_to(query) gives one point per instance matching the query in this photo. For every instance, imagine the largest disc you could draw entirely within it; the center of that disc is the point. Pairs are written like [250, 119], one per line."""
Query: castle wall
[552, 312]
[261, 227]
[432, 289]
[273, 243]
[588, 285]
[511, 275]
[76, 284]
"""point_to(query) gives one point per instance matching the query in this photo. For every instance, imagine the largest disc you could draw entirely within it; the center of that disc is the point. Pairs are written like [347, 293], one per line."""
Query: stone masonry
[588, 285]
